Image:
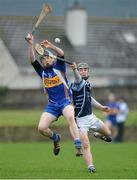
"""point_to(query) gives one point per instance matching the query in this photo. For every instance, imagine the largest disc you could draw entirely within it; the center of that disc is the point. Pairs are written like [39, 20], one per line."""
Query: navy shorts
[57, 108]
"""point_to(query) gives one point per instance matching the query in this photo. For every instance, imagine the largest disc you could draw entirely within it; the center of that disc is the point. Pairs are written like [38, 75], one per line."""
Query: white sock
[91, 165]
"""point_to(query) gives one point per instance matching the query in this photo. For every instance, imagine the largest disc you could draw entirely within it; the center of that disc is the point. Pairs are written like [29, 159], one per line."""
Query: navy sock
[54, 137]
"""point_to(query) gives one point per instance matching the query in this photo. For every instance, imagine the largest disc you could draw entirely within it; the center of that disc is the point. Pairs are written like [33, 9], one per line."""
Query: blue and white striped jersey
[81, 94]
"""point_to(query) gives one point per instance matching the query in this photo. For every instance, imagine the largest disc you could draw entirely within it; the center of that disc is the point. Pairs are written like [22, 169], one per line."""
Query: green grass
[31, 118]
[36, 161]
[22, 118]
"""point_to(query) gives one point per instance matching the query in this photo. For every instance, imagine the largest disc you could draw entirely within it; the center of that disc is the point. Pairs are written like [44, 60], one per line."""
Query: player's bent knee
[42, 129]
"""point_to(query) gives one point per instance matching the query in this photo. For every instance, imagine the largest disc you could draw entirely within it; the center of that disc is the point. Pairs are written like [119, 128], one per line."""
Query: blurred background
[102, 33]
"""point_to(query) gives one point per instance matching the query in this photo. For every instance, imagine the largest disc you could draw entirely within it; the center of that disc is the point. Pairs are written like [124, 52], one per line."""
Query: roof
[106, 46]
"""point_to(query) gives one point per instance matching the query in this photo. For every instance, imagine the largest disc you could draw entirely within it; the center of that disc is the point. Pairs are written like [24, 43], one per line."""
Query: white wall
[8, 68]
[76, 27]
[10, 74]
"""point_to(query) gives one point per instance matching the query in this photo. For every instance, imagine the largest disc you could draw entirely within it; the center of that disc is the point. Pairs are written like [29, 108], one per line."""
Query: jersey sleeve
[60, 65]
[38, 68]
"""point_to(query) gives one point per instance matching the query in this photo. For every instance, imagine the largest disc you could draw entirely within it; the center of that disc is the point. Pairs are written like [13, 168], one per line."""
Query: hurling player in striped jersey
[83, 102]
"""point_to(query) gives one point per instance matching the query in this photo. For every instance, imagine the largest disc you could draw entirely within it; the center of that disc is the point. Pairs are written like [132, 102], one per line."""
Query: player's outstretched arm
[100, 106]
[96, 103]
[77, 76]
[49, 45]
[31, 48]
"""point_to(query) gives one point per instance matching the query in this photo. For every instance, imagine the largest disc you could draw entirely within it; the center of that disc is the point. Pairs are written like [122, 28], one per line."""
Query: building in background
[106, 39]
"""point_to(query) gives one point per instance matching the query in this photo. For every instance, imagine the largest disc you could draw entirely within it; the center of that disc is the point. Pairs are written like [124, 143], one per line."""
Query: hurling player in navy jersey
[83, 102]
[53, 75]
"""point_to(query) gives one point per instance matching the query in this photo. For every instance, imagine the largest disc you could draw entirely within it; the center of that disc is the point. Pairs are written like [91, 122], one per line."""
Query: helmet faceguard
[46, 53]
[42, 51]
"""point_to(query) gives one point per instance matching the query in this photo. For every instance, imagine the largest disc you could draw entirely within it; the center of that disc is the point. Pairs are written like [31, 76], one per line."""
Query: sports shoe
[91, 169]
[102, 137]
[78, 152]
[56, 148]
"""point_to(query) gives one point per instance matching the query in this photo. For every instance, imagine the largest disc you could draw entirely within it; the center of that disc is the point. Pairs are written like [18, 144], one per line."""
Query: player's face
[84, 72]
[47, 61]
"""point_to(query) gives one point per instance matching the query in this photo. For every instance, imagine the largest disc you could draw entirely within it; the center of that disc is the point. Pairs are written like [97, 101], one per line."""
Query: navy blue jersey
[81, 94]
[56, 89]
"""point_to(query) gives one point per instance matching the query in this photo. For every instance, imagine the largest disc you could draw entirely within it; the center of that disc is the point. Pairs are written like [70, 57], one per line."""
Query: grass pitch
[31, 118]
[36, 161]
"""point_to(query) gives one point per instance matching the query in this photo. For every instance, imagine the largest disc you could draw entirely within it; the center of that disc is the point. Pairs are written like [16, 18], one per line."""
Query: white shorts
[89, 122]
